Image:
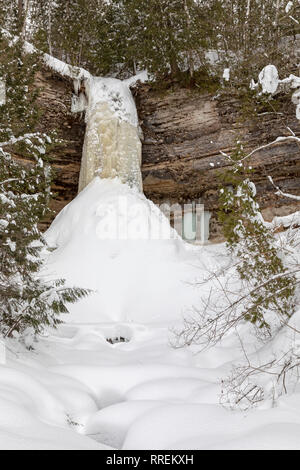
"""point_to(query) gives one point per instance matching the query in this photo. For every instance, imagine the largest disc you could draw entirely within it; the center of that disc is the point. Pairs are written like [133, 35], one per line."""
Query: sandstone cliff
[184, 131]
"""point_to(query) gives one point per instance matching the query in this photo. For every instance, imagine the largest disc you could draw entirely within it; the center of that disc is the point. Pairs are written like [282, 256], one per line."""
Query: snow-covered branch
[281, 193]
[10, 180]
[287, 221]
[274, 142]
[262, 147]
[15, 140]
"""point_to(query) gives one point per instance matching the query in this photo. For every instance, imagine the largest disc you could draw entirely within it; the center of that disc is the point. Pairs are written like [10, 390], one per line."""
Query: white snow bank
[166, 389]
[111, 239]
[32, 416]
[175, 422]
[110, 425]
[64, 69]
[274, 436]
[111, 384]
[269, 79]
[136, 395]
[139, 77]
[30, 394]
[37, 436]
[203, 426]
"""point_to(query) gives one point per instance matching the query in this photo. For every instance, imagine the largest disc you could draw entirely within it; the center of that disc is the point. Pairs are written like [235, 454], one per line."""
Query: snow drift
[113, 240]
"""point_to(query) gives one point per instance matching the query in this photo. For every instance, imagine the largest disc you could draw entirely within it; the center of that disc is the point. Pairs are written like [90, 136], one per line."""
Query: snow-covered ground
[76, 390]
[109, 376]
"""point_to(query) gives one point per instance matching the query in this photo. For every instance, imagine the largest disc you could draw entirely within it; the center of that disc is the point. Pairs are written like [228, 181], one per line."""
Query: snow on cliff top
[114, 92]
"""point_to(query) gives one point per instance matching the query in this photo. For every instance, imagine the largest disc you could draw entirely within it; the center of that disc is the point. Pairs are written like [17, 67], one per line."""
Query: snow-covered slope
[113, 240]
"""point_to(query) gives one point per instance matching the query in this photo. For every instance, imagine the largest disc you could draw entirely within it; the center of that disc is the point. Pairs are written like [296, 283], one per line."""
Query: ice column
[112, 147]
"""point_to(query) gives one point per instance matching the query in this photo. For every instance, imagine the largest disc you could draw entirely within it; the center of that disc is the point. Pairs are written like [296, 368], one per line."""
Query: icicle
[79, 103]
[76, 84]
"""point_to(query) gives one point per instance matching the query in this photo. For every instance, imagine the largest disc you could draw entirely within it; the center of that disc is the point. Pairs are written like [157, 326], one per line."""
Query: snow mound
[110, 425]
[113, 240]
[77, 391]
[37, 412]
[269, 79]
[165, 389]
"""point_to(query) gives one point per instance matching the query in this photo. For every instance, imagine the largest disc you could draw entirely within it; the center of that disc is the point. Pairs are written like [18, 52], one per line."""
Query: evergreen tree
[19, 114]
[123, 35]
[165, 36]
[74, 31]
[249, 32]
[260, 266]
[26, 297]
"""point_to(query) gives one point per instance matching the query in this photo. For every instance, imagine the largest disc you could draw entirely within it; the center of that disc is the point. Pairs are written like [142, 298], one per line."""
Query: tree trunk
[20, 8]
[190, 53]
[23, 9]
[50, 29]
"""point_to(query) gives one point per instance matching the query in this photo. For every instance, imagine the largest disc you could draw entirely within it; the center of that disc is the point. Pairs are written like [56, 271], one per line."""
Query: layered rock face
[184, 132]
[55, 105]
[54, 101]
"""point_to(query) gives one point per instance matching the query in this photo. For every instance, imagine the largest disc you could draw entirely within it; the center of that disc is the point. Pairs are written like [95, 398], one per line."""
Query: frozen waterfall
[112, 146]
[111, 238]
